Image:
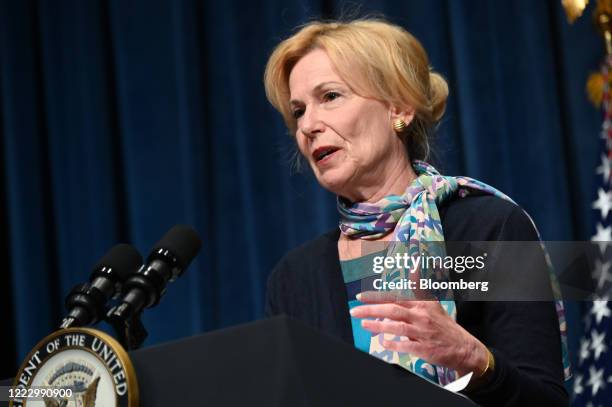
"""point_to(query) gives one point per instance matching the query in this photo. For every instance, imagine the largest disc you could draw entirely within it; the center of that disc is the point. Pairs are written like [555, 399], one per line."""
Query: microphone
[167, 261]
[86, 302]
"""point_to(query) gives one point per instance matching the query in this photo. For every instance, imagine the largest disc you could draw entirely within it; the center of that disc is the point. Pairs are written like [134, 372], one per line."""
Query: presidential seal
[76, 367]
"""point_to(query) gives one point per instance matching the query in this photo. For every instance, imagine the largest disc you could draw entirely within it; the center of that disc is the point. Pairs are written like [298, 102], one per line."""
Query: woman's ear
[406, 114]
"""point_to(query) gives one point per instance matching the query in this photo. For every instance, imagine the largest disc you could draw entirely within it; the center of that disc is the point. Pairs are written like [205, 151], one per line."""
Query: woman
[361, 100]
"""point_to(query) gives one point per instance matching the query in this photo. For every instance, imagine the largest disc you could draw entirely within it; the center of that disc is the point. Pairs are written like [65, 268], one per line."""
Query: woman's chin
[333, 180]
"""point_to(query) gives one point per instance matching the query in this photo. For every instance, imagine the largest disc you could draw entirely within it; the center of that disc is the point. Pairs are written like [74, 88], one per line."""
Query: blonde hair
[376, 59]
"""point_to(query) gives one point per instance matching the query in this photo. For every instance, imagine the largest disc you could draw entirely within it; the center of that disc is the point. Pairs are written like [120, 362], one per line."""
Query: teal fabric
[360, 335]
[359, 268]
[355, 270]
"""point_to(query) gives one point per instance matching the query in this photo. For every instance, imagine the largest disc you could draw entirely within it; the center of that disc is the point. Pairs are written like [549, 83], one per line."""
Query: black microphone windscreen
[123, 259]
[182, 241]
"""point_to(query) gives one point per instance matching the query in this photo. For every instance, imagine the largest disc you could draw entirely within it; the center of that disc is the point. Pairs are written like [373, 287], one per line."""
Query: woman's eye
[297, 113]
[329, 96]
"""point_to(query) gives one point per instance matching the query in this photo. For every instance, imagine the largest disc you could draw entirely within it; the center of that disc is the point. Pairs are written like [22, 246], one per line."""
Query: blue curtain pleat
[190, 121]
[121, 118]
[33, 266]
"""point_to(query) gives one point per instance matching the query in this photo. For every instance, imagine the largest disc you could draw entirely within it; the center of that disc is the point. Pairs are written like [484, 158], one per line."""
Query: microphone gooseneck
[86, 302]
[167, 261]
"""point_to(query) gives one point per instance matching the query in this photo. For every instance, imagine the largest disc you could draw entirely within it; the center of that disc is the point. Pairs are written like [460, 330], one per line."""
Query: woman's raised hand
[427, 330]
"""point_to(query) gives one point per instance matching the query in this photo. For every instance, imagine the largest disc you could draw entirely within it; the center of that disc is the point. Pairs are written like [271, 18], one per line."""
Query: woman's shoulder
[318, 245]
[318, 250]
[480, 217]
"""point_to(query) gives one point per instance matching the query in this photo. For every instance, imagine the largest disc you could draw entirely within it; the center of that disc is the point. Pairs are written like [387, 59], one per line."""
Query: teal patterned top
[357, 273]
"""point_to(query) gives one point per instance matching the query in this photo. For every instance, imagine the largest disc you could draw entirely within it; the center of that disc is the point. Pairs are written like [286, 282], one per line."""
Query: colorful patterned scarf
[414, 220]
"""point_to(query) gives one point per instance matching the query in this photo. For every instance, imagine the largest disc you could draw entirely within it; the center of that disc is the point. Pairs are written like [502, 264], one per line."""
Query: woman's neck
[393, 182]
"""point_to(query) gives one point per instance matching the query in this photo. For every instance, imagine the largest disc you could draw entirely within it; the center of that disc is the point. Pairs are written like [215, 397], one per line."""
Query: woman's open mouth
[324, 154]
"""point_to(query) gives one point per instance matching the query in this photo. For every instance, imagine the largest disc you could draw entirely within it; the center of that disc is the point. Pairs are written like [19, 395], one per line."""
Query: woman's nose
[310, 123]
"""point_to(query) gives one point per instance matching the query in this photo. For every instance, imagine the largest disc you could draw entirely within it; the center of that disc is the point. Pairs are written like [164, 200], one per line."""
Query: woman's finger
[406, 345]
[382, 297]
[391, 311]
[398, 328]
[403, 296]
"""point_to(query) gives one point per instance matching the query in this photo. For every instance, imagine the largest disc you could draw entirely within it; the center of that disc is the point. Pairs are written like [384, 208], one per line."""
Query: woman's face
[347, 139]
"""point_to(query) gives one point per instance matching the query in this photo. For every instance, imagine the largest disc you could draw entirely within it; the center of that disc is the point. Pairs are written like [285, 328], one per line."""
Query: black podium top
[276, 362]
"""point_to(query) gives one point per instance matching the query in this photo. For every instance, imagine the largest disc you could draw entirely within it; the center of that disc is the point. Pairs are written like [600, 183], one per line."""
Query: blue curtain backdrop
[121, 118]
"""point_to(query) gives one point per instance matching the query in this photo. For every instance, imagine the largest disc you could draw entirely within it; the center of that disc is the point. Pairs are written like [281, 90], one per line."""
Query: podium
[276, 362]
